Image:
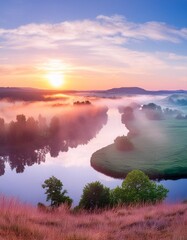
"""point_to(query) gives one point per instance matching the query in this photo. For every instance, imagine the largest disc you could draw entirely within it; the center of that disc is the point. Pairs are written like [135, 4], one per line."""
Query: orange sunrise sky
[93, 46]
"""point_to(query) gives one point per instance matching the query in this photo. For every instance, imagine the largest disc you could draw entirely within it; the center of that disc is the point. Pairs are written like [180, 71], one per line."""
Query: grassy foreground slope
[160, 151]
[20, 222]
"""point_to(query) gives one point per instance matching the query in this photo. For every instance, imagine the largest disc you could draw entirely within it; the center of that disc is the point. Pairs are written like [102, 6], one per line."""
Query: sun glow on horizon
[54, 72]
[55, 79]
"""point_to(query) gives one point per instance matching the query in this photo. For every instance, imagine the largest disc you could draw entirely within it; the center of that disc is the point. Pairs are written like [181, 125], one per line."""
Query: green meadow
[160, 150]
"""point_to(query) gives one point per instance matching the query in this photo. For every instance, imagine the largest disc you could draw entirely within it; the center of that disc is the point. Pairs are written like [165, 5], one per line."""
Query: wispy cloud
[115, 30]
[103, 45]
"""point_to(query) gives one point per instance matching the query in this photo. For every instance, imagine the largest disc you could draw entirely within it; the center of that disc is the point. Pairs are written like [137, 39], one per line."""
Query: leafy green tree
[95, 196]
[137, 188]
[54, 192]
[117, 196]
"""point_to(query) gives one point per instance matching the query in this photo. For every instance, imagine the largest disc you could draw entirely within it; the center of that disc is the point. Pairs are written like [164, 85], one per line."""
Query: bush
[123, 144]
[94, 196]
[138, 189]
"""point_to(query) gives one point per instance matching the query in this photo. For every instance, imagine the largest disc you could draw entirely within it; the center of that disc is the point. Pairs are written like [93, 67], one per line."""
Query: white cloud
[110, 30]
[100, 46]
[173, 56]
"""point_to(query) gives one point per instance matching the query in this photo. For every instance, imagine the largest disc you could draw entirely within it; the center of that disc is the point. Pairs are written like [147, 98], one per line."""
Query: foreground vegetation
[136, 189]
[20, 222]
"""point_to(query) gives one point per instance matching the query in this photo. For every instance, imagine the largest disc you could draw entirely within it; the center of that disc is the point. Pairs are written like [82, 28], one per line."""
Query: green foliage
[95, 196]
[138, 189]
[135, 189]
[117, 196]
[54, 192]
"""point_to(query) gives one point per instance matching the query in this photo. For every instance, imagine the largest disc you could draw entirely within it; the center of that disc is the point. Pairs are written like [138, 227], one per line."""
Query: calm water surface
[73, 168]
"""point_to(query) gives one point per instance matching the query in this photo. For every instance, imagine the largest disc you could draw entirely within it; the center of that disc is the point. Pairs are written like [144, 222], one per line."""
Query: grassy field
[21, 222]
[160, 150]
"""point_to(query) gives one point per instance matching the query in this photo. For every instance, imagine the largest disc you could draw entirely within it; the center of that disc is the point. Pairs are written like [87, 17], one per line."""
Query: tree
[123, 144]
[2, 131]
[138, 189]
[54, 192]
[153, 111]
[21, 119]
[117, 196]
[95, 196]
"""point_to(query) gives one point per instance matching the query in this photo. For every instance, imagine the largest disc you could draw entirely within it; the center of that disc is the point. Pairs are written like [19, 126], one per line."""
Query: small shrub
[123, 144]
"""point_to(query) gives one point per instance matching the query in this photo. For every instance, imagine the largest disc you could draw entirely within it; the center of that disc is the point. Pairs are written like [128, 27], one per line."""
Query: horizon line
[88, 90]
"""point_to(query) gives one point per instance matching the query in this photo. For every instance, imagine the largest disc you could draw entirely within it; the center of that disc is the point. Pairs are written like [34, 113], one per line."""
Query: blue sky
[18, 12]
[121, 42]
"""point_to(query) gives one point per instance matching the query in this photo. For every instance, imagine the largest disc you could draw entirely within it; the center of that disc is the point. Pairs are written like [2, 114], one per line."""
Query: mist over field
[158, 136]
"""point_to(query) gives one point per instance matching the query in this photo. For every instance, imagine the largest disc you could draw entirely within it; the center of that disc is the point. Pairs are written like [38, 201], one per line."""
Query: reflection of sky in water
[177, 190]
[81, 155]
[73, 169]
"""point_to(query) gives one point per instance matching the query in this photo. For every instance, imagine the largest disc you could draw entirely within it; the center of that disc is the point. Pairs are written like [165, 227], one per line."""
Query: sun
[55, 79]
[54, 72]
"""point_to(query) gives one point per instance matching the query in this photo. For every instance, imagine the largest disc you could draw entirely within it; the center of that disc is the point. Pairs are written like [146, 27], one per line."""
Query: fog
[64, 136]
[65, 125]
[26, 140]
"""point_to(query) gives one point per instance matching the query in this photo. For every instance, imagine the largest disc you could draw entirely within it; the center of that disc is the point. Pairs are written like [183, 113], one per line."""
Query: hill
[33, 94]
[138, 91]
[30, 94]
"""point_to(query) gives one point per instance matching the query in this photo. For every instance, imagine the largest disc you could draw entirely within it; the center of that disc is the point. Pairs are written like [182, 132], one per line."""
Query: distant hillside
[33, 94]
[137, 90]
[30, 94]
[122, 91]
[127, 90]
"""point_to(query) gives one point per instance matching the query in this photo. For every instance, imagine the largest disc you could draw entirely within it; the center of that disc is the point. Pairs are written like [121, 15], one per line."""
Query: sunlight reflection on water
[81, 155]
[72, 167]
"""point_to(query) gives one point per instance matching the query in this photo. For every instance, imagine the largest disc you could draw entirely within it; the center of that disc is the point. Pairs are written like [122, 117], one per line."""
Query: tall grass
[22, 222]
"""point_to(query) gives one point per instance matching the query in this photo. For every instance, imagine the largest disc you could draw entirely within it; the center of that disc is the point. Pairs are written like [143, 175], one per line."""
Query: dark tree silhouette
[95, 196]
[123, 143]
[153, 111]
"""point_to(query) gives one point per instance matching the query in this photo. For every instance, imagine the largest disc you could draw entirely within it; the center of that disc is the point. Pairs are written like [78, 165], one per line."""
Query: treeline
[27, 140]
[14, 94]
[134, 114]
[135, 189]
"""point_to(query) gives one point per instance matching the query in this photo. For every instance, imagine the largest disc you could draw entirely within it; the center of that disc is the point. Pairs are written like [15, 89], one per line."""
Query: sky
[95, 44]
